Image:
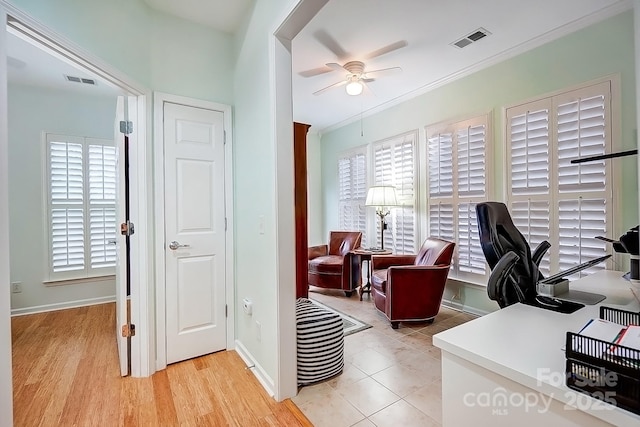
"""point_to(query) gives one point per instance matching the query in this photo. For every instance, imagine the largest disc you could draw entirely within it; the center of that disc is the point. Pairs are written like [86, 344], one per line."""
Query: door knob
[176, 245]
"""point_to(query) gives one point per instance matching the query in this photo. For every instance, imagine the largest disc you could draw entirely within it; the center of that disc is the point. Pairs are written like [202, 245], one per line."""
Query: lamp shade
[354, 87]
[381, 195]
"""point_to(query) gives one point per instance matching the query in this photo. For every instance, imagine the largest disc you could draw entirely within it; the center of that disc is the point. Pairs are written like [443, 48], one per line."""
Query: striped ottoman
[320, 342]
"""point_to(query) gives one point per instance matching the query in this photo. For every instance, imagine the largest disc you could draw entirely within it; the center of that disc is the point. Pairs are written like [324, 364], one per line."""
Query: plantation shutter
[583, 197]
[457, 161]
[394, 164]
[531, 218]
[67, 210]
[471, 187]
[440, 165]
[440, 173]
[551, 198]
[580, 221]
[67, 239]
[404, 227]
[382, 176]
[102, 212]
[441, 221]
[471, 161]
[530, 181]
[581, 133]
[352, 193]
[529, 143]
[470, 256]
[82, 216]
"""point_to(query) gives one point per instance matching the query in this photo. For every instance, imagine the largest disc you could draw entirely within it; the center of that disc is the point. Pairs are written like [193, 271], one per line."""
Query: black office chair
[514, 269]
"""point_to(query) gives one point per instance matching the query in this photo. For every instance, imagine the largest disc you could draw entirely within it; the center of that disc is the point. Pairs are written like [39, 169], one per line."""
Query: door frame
[298, 14]
[69, 51]
[159, 98]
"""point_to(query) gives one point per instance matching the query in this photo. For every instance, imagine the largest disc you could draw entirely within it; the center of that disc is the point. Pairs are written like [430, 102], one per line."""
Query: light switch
[261, 224]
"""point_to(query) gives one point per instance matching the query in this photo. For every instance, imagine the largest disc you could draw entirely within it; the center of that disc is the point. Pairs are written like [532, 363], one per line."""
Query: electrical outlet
[258, 331]
[16, 287]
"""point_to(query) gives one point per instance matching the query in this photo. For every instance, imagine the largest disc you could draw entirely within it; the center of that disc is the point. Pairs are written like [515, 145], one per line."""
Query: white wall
[33, 111]
[254, 182]
[264, 188]
[191, 60]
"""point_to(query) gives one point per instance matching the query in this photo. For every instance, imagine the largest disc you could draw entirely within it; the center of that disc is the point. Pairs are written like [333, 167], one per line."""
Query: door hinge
[129, 331]
[127, 228]
[126, 127]
[226, 310]
[225, 223]
[224, 138]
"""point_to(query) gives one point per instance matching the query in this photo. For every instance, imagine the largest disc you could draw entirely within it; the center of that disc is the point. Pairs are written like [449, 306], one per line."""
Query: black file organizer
[593, 370]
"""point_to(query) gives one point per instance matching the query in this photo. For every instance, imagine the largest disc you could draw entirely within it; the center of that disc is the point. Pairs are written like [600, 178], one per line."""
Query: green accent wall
[605, 49]
[159, 51]
[32, 111]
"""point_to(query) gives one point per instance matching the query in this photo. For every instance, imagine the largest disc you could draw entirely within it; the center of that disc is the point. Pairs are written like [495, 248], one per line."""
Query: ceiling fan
[357, 75]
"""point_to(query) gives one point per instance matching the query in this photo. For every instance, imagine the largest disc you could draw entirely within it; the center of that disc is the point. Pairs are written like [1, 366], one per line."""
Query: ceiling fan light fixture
[354, 88]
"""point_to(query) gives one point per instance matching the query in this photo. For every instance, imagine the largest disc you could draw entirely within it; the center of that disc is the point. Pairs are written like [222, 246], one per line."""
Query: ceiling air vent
[478, 34]
[80, 80]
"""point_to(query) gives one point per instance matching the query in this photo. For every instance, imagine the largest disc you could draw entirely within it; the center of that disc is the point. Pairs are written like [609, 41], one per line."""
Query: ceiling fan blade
[330, 43]
[386, 49]
[367, 89]
[335, 66]
[381, 71]
[340, 83]
[315, 71]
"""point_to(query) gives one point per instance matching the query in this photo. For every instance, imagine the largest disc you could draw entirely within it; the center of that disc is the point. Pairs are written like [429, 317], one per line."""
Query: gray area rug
[350, 324]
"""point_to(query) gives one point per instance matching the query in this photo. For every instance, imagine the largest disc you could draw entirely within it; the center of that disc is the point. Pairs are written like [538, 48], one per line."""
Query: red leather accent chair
[410, 287]
[333, 266]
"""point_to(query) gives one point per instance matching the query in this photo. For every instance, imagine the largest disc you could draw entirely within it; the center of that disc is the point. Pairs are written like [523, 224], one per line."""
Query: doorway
[194, 228]
[53, 50]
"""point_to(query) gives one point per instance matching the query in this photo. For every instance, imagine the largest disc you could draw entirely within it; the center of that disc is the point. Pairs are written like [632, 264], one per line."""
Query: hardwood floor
[66, 372]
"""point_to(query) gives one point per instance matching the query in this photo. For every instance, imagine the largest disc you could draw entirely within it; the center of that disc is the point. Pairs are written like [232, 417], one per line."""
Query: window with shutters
[549, 197]
[394, 163]
[352, 192]
[81, 207]
[456, 173]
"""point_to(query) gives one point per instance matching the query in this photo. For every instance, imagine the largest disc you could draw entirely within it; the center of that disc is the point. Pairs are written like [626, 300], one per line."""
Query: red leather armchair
[410, 287]
[333, 266]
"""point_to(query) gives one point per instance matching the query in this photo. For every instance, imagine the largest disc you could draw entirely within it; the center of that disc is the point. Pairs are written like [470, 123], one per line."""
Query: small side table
[365, 255]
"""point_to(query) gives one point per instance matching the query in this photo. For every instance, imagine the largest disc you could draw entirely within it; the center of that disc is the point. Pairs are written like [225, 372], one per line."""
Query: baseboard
[255, 367]
[467, 309]
[62, 305]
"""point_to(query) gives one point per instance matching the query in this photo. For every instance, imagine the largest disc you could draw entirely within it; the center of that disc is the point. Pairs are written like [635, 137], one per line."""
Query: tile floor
[390, 378]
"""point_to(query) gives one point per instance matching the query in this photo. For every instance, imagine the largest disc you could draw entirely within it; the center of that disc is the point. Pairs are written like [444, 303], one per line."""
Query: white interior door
[121, 252]
[194, 231]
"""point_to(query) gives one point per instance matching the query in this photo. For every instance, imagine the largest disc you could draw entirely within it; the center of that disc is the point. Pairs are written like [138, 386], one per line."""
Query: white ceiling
[347, 30]
[31, 66]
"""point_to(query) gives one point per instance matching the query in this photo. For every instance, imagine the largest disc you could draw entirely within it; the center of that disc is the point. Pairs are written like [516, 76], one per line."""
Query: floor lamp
[382, 197]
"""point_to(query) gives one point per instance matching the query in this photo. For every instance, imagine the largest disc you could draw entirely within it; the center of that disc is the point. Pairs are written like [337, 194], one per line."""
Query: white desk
[508, 368]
